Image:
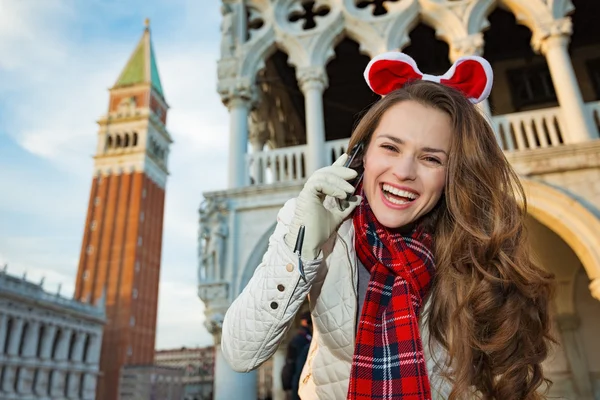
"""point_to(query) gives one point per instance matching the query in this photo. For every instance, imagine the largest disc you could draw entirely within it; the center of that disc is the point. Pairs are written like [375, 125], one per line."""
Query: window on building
[38, 351]
[593, 67]
[93, 225]
[96, 200]
[72, 345]
[55, 343]
[531, 86]
[86, 275]
[86, 348]
[134, 142]
[89, 249]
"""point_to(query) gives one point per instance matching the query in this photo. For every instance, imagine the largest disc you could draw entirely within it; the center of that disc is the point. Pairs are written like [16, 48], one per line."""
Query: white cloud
[55, 74]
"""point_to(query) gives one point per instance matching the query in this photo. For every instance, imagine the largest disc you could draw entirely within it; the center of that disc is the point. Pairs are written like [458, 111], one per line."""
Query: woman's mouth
[397, 196]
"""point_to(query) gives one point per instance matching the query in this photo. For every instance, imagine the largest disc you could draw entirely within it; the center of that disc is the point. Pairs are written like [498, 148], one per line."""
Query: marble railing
[527, 130]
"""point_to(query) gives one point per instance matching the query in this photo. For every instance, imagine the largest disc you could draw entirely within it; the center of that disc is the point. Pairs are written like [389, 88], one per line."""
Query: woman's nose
[405, 168]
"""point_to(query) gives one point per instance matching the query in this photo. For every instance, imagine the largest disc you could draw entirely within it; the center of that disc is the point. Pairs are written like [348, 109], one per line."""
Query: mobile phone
[354, 161]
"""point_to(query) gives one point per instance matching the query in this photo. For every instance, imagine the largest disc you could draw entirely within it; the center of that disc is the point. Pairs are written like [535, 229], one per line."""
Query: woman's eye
[389, 147]
[433, 160]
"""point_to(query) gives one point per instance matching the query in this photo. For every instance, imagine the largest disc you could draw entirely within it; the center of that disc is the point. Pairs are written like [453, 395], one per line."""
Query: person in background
[295, 357]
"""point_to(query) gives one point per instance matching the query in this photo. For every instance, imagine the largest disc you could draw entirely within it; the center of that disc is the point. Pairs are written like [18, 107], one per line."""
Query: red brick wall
[111, 264]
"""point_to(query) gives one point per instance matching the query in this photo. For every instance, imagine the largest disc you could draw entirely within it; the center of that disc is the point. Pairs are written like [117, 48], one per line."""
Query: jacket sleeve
[260, 316]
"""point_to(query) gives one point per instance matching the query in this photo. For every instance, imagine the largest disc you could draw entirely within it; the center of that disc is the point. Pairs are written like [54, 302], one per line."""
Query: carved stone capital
[214, 323]
[556, 32]
[471, 45]
[311, 78]
[595, 288]
[237, 91]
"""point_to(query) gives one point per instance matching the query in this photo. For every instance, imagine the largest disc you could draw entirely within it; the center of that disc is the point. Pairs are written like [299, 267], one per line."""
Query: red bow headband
[472, 75]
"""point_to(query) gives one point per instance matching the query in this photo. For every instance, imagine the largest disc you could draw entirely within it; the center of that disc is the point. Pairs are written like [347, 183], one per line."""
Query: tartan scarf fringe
[388, 361]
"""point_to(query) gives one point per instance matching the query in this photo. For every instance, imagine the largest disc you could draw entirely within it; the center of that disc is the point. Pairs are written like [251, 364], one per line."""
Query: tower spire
[141, 67]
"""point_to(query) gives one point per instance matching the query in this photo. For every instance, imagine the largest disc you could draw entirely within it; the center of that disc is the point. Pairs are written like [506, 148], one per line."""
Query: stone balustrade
[527, 130]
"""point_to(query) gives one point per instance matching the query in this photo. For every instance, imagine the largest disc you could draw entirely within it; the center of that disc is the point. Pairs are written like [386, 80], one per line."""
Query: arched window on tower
[135, 139]
[118, 142]
[126, 141]
[109, 142]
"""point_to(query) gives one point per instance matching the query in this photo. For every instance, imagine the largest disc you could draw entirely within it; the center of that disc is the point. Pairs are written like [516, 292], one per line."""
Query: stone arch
[109, 142]
[254, 260]
[574, 220]
[118, 141]
[531, 13]
[477, 15]
[258, 50]
[126, 141]
[134, 140]
[446, 22]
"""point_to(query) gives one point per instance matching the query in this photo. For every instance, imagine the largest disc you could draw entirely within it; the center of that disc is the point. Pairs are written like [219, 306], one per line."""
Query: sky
[57, 60]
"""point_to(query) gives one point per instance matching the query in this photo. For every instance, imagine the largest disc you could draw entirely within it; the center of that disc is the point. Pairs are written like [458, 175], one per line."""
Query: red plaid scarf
[388, 358]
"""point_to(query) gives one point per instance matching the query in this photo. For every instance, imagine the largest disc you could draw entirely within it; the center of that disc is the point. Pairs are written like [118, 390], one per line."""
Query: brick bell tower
[121, 249]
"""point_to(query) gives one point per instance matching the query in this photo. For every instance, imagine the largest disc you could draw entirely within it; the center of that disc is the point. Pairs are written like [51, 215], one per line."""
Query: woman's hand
[320, 222]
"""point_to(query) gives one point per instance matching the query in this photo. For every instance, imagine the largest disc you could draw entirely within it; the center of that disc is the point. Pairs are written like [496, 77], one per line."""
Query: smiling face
[406, 161]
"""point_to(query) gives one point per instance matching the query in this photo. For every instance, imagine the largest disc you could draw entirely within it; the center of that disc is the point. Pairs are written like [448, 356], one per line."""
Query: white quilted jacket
[260, 317]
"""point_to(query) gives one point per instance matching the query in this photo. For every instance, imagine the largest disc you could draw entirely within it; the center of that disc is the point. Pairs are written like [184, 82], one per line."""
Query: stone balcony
[518, 134]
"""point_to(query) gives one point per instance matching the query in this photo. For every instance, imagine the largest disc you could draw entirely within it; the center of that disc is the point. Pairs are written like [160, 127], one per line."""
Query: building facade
[198, 366]
[150, 382]
[290, 74]
[49, 344]
[121, 249]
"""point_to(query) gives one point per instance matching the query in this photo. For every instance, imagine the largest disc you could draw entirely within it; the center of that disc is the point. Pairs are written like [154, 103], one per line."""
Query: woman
[435, 219]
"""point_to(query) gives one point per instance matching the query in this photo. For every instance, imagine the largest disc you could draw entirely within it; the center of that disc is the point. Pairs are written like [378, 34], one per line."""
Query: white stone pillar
[95, 346]
[14, 336]
[47, 341]
[42, 382]
[312, 82]
[89, 386]
[278, 364]
[552, 41]
[229, 384]
[77, 355]
[62, 349]
[238, 95]
[31, 339]
[3, 322]
[568, 325]
[25, 384]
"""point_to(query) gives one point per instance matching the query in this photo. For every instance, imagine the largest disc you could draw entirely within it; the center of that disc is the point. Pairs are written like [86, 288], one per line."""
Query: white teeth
[398, 192]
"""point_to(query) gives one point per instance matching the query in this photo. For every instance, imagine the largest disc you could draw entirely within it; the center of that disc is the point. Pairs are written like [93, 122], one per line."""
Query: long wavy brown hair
[490, 303]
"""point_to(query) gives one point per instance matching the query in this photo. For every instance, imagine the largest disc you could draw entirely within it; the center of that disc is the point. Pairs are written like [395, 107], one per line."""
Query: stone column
[25, 384]
[238, 96]
[568, 325]
[229, 384]
[57, 383]
[312, 82]
[471, 45]
[14, 336]
[278, 363]
[3, 332]
[552, 40]
[93, 352]
[47, 341]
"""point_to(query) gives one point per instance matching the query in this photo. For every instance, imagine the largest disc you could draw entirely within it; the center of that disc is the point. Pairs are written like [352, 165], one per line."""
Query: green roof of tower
[141, 67]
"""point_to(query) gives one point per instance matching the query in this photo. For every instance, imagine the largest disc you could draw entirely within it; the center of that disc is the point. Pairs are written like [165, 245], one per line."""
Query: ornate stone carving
[213, 240]
[307, 13]
[237, 89]
[471, 45]
[311, 76]
[214, 323]
[562, 27]
[228, 34]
